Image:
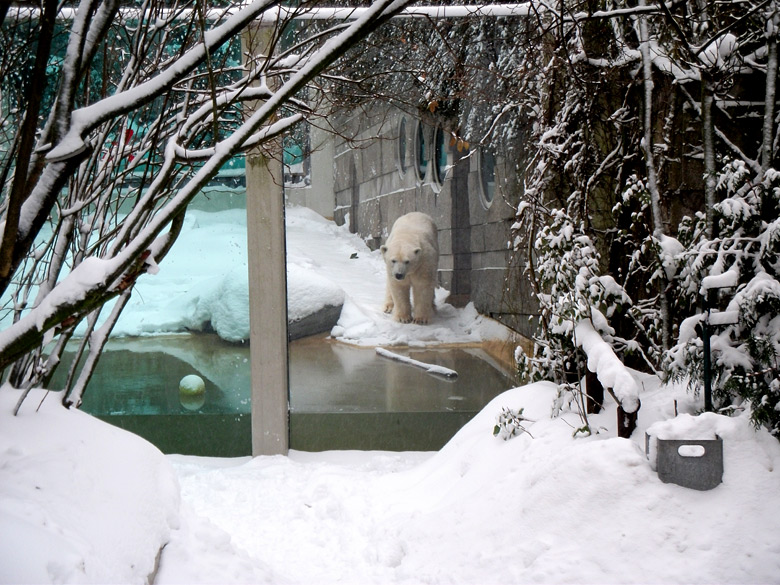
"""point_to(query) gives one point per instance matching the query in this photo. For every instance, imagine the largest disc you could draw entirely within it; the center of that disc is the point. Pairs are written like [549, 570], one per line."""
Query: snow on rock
[608, 368]
[203, 283]
[309, 292]
[221, 305]
[80, 501]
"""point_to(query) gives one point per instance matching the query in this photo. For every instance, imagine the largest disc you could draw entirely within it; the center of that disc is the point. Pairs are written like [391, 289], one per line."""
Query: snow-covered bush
[567, 270]
[566, 273]
[745, 255]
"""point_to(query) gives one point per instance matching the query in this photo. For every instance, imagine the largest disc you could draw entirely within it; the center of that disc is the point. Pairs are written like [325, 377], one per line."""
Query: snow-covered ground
[81, 501]
[203, 284]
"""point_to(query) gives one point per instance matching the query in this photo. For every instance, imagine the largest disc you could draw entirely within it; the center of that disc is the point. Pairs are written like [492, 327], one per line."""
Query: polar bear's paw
[402, 317]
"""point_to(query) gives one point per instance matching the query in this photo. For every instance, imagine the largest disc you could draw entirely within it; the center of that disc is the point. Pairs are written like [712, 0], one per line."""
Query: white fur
[411, 255]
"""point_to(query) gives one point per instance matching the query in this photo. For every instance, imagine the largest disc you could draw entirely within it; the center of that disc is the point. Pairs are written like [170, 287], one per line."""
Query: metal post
[704, 331]
[705, 338]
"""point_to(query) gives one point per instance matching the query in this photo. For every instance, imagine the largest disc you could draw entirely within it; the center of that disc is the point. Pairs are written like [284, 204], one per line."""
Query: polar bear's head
[401, 259]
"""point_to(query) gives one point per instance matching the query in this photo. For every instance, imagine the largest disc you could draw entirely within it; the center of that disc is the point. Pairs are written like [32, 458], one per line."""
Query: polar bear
[411, 255]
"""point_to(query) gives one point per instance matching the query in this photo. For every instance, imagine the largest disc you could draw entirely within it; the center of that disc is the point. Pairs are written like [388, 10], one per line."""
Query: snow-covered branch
[603, 362]
[155, 113]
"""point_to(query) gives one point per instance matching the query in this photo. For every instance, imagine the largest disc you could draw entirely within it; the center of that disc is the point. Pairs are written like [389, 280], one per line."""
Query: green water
[341, 397]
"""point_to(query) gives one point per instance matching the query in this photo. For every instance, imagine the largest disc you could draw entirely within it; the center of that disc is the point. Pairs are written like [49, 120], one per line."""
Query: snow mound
[80, 501]
[83, 502]
[309, 292]
[542, 507]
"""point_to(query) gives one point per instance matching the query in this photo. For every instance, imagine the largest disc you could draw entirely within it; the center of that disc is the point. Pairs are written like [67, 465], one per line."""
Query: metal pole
[705, 337]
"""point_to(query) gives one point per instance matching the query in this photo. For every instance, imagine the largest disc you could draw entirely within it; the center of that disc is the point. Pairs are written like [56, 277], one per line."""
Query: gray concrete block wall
[473, 236]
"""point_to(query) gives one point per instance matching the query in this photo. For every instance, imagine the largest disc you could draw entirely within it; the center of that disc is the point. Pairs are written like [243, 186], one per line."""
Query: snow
[718, 52]
[670, 250]
[80, 501]
[326, 265]
[603, 362]
[728, 279]
[84, 502]
[538, 508]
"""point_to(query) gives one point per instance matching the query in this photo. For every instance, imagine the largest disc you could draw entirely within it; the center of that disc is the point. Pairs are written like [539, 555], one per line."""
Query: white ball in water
[192, 392]
[192, 384]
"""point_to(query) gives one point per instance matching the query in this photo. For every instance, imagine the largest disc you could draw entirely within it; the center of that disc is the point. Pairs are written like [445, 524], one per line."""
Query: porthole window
[402, 147]
[487, 176]
[440, 156]
[421, 152]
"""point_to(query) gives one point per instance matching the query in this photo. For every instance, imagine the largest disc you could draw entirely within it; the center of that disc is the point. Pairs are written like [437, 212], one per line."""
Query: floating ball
[192, 392]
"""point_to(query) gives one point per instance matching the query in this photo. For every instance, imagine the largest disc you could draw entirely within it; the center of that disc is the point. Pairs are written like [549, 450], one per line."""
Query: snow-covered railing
[611, 373]
[277, 13]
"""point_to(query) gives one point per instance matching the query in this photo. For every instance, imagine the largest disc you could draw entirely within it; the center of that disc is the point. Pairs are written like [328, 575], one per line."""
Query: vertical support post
[705, 337]
[704, 331]
[594, 392]
[267, 306]
[626, 422]
[266, 254]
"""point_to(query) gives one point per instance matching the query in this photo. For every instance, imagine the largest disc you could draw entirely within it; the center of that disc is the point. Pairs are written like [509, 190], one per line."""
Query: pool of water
[341, 397]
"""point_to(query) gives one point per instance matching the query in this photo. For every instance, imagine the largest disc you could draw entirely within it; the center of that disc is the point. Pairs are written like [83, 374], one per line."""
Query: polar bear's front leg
[423, 302]
[402, 306]
[389, 303]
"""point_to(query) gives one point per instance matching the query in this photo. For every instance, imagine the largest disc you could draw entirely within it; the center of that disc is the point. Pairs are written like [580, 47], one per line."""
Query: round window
[421, 152]
[402, 147]
[440, 156]
[487, 176]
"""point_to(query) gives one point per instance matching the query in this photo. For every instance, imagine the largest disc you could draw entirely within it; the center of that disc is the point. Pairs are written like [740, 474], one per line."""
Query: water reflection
[142, 376]
[333, 377]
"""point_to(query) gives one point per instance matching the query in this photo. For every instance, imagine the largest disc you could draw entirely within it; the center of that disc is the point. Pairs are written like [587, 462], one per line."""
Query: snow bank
[83, 502]
[80, 501]
[538, 508]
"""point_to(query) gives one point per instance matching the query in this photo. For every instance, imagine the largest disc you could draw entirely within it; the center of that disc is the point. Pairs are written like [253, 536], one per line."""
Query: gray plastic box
[695, 464]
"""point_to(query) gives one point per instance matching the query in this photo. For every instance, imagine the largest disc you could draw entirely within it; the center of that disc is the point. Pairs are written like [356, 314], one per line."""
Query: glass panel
[487, 175]
[422, 155]
[402, 146]
[440, 156]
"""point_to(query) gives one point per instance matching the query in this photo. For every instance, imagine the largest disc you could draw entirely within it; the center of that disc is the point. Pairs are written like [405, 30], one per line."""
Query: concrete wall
[317, 193]
[373, 187]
